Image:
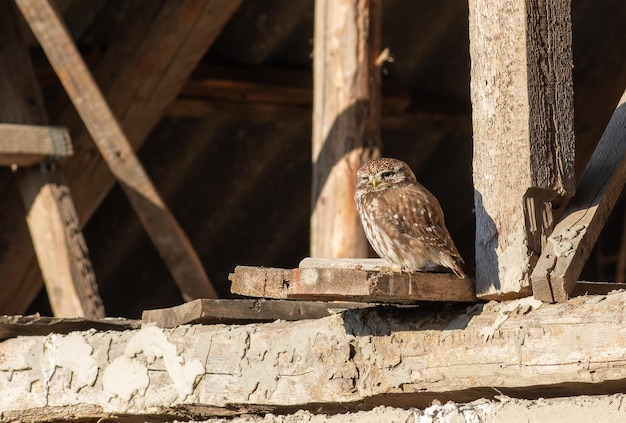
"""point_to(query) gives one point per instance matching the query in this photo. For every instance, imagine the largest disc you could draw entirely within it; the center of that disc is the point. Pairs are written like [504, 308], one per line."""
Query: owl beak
[375, 181]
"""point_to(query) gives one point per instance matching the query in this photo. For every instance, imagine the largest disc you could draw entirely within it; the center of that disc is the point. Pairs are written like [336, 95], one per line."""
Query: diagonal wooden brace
[556, 274]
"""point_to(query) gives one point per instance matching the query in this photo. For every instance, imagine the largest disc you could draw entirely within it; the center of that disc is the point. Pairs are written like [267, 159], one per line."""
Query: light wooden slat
[522, 113]
[168, 237]
[26, 145]
[59, 244]
[346, 120]
[361, 280]
[573, 238]
[240, 311]
[350, 361]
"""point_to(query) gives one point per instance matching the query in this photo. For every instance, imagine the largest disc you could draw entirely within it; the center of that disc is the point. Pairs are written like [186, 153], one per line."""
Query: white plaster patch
[143, 349]
[520, 306]
[69, 352]
[125, 377]
[75, 354]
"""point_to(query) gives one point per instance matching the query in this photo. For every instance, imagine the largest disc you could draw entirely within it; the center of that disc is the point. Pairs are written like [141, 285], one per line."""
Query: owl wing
[417, 215]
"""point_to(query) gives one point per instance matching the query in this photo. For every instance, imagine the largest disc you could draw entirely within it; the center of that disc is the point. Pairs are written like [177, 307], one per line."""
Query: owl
[403, 221]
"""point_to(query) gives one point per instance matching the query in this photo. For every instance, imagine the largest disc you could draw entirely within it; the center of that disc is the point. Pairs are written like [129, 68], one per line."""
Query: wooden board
[522, 114]
[36, 325]
[356, 360]
[26, 145]
[168, 237]
[207, 311]
[367, 280]
[346, 120]
[573, 238]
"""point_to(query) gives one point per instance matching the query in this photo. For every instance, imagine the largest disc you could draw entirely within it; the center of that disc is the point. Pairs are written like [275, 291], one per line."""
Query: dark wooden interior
[231, 155]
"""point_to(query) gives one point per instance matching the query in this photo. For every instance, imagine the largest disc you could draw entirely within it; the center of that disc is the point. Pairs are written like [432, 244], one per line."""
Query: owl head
[382, 174]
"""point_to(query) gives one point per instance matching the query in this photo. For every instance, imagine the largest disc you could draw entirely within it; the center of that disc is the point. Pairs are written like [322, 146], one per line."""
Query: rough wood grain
[349, 361]
[204, 311]
[522, 101]
[26, 145]
[573, 238]
[346, 120]
[168, 237]
[58, 241]
[367, 280]
[140, 73]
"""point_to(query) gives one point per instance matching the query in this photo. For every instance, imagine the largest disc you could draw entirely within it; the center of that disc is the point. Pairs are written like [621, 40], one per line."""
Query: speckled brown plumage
[403, 221]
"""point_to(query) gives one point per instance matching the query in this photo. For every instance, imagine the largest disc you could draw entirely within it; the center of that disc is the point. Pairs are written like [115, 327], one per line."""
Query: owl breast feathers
[403, 221]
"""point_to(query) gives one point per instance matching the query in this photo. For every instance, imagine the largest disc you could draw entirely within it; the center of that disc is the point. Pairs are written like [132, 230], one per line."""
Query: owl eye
[387, 174]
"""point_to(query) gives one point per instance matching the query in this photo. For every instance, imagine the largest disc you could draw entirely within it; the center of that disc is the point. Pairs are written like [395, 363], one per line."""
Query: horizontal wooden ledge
[362, 280]
[27, 145]
[350, 361]
[225, 311]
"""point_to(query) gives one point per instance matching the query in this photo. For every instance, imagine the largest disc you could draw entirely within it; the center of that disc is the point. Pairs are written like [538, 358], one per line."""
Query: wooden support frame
[346, 120]
[58, 242]
[182, 31]
[26, 145]
[170, 240]
[570, 244]
[522, 100]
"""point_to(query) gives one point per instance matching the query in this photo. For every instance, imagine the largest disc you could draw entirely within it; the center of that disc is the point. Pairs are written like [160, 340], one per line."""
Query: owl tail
[454, 264]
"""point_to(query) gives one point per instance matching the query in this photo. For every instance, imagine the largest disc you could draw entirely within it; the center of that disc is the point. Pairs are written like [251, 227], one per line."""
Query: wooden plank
[26, 145]
[56, 236]
[168, 237]
[239, 311]
[346, 120]
[522, 100]
[349, 361]
[139, 84]
[368, 280]
[36, 325]
[573, 238]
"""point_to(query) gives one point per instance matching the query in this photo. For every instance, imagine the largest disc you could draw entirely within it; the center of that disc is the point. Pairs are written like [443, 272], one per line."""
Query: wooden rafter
[168, 237]
[58, 242]
[181, 33]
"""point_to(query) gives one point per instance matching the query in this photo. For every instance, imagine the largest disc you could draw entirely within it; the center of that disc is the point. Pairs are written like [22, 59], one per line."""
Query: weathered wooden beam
[36, 325]
[346, 120]
[165, 232]
[204, 311]
[368, 280]
[573, 238]
[58, 242]
[138, 84]
[522, 102]
[26, 145]
[349, 361]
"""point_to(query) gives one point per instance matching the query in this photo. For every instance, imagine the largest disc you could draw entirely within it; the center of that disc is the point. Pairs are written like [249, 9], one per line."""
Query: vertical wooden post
[55, 231]
[346, 120]
[522, 101]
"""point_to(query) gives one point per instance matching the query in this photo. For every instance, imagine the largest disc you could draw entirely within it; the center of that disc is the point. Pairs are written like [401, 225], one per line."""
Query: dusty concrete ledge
[357, 360]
